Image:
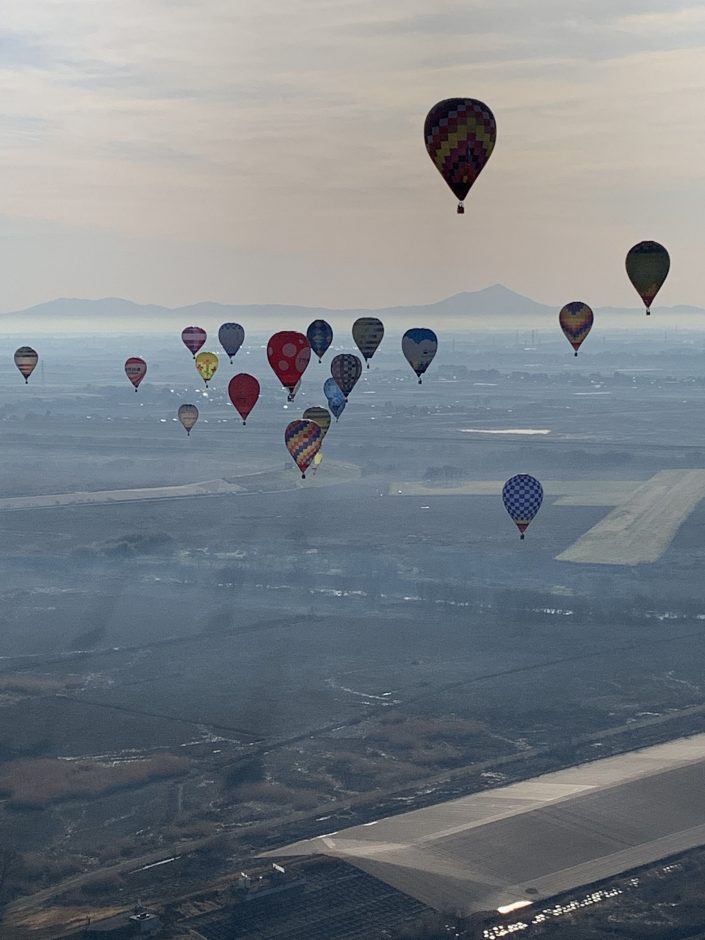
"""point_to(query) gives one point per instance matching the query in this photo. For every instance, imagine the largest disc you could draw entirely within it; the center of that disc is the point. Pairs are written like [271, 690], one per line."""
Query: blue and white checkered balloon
[522, 496]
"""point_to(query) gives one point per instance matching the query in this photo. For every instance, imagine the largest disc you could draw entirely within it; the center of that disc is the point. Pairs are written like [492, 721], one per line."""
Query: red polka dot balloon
[289, 354]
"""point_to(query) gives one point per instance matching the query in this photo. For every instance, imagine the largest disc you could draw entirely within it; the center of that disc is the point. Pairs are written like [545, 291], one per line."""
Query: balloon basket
[648, 312]
[420, 382]
[461, 209]
[576, 353]
[521, 537]
[244, 424]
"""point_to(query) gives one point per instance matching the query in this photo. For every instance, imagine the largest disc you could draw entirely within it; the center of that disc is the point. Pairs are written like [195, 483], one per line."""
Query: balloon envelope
[320, 415]
[460, 135]
[26, 360]
[193, 338]
[647, 266]
[243, 390]
[576, 322]
[346, 369]
[368, 333]
[135, 370]
[207, 365]
[303, 440]
[522, 496]
[334, 397]
[231, 336]
[289, 354]
[320, 336]
[419, 346]
[188, 416]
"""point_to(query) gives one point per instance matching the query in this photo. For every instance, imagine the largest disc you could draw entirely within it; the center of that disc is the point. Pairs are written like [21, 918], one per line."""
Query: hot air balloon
[193, 338]
[243, 390]
[368, 333]
[188, 416]
[135, 370]
[231, 336]
[460, 134]
[320, 336]
[576, 322]
[647, 265]
[320, 415]
[335, 398]
[207, 365]
[26, 360]
[419, 346]
[303, 439]
[289, 354]
[522, 496]
[346, 369]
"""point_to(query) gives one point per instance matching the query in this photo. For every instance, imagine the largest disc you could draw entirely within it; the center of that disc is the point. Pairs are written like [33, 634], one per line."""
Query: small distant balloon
[346, 369]
[26, 360]
[648, 264]
[320, 415]
[368, 333]
[460, 135]
[419, 345]
[135, 370]
[207, 365]
[320, 336]
[193, 338]
[188, 416]
[231, 336]
[243, 390]
[303, 439]
[522, 496]
[289, 354]
[576, 320]
[335, 398]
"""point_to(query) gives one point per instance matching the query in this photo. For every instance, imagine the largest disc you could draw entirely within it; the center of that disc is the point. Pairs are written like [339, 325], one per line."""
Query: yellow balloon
[207, 365]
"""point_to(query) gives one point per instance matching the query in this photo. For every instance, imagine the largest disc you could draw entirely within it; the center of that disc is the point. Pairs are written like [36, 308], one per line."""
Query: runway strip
[641, 529]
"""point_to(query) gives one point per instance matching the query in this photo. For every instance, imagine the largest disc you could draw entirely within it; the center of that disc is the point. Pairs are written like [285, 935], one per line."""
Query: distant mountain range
[498, 306]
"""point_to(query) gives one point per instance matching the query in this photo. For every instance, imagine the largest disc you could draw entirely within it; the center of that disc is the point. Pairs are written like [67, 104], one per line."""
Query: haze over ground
[274, 154]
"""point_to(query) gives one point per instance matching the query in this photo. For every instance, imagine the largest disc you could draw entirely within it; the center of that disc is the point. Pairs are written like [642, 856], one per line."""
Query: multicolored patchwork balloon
[346, 369]
[419, 345]
[460, 135]
[648, 264]
[335, 398]
[368, 333]
[289, 354]
[576, 320]
[522, 496]
[303, 440]
[135, 370]
[320, 415]
[193, 338]
[231, 336]
[188, 416]
[26, 360]
[320, 336]
[243, 390]
[206, 365]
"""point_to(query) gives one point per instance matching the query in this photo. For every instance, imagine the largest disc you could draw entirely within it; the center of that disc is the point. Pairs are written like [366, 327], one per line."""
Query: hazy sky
[172, 151]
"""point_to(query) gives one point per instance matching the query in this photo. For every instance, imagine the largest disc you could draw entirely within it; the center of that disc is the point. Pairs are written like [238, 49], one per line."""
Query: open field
[537, 838]
[642, 528]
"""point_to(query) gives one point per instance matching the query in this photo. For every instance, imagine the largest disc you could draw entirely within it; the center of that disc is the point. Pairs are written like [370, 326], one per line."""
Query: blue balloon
[320, 336]
[522, 496]
[334, 396]
[231, 336]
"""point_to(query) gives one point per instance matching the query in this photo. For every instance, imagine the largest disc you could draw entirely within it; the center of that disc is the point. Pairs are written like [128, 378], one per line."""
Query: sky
[174, 151]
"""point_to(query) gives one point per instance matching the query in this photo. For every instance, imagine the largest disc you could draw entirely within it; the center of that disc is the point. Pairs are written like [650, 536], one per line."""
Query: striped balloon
[576, 322]
[303, 439]
[321, 416]
[193, 338]
[368, 333]
[522, 496]
[135, 370]
[26, 360]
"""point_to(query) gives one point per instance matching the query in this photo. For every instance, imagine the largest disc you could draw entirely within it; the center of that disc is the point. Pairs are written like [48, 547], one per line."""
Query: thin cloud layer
[273, 151]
